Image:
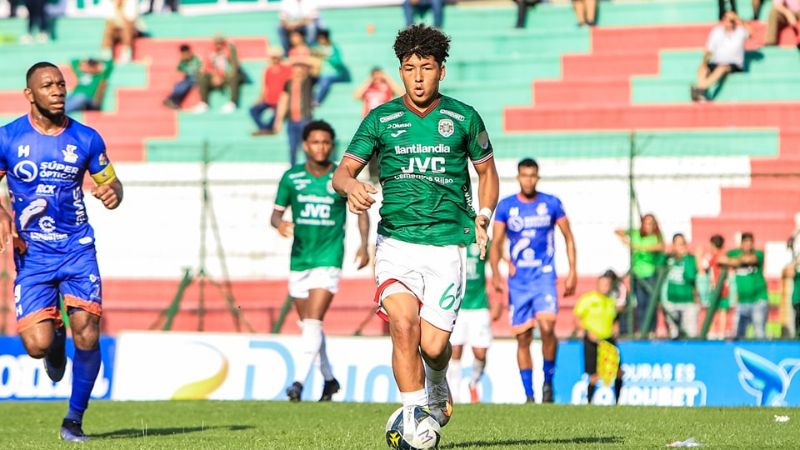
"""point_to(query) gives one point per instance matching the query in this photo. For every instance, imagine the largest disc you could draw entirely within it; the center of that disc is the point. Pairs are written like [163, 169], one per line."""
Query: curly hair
[422, 41]
[318, 125]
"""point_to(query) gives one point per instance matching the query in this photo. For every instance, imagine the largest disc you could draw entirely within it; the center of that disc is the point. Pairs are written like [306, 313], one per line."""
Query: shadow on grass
[131, 433]
[555, 441]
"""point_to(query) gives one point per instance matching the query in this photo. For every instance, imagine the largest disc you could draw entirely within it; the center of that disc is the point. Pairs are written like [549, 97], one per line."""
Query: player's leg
[480, 337]
[436, 352]
[525, 362]
[457, 340]
[82, 293]
[590, 366]
[38, 318]
[545, 305]
[522, 323]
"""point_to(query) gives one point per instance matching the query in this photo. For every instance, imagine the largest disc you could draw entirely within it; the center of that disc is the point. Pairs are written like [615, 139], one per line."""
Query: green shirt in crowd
[190, 67]
[751, 286]
[796, 289]
[89, 83]
[319, 216]
[681, 277]
[644, 262]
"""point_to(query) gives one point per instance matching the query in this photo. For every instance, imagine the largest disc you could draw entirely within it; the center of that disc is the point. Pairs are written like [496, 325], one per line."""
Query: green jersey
[319, 216]
[681, 276]
[427, 196]
[475, 297]
[796, 288]
[644, 262]
[751, 286]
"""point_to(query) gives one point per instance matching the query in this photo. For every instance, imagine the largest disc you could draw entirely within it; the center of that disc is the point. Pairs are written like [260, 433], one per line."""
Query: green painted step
[682, 143]
[736, 88]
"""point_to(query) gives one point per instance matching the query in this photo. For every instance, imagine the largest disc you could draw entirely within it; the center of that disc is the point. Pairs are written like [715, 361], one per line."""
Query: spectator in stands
[713, 266]
[220, 70]
[92, 78]
[38, 22]
[171, 5]
[295, 107]
[298, 15]
[378, 89]
[724, 54]
[723, 7]
[413, 8]
[585, 12]
[298, 48]
[275, 77]
[332, 69]
[679, 302]
[756, 9]
[121, 16]
[12, 8]
[188, 69]
[751, 287]
[595, 314]
[647, 248]
[783, 13]
[791, 291]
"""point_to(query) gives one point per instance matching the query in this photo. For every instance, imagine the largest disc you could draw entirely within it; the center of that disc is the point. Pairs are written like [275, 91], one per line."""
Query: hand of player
[106, 194]
[497, 282]
[358, 196]
[570, 284]
[497, 311]
[286, 229]
[481, 233]
[362, 257]
[8, 232]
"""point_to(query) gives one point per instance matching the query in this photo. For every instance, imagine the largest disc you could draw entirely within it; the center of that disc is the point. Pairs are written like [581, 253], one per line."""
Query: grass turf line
[280, 425]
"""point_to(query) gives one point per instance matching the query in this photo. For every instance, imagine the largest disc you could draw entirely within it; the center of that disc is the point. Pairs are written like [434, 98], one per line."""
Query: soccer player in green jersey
[473, 326]
[318, 227]
[423, 142]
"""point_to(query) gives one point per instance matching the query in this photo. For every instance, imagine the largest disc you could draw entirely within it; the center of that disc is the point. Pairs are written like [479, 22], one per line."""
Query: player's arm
[8, 231]
[362, 255]
[285, 228]
[496, 253]
[488, 192]
[572, 276]
[347, 185]
[283, 199]
[108, 188]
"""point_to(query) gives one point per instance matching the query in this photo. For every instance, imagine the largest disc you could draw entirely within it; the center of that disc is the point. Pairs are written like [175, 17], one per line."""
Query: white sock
[433, 375]
[454, 378]
[310, 342]
[477, 371]
[416, 398]
[324, 362]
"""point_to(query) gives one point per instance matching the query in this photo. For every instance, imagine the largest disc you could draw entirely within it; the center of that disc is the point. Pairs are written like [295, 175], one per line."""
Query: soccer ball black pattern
[426, 434]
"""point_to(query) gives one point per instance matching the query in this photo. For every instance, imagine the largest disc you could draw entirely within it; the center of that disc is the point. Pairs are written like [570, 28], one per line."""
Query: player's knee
[405, 331]
[86, 337]
[524, 339]
[37, 345]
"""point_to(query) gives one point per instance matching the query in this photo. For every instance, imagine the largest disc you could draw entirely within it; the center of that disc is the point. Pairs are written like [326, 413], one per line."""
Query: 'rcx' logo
[26, 171]
[763, 379]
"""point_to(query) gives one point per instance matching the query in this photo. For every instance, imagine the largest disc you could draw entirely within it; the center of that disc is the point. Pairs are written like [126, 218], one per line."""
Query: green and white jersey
[475, 297]
[427, 196]
[319, 215]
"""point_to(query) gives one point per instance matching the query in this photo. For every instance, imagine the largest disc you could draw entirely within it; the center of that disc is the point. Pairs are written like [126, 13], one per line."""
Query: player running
[45, 155]
[529, 219]
[318, 226]
[473, 326]
[423, 141]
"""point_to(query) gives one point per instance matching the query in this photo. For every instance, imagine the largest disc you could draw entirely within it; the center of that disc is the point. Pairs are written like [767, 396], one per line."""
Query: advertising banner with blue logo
[24, 378]
[691, 374]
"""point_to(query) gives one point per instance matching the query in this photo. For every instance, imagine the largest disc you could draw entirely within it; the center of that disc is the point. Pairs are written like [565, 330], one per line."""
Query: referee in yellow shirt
[595, 314]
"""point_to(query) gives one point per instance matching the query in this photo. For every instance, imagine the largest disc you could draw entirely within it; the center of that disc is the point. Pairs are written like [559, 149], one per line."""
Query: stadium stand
[553, 91]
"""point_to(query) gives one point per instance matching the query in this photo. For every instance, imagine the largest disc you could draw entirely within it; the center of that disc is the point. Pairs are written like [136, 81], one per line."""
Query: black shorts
[734, 67]
[590, 354]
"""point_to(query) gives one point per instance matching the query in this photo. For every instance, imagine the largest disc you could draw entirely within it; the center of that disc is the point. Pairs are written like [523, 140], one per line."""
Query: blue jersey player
[529, 219]
[45, 155]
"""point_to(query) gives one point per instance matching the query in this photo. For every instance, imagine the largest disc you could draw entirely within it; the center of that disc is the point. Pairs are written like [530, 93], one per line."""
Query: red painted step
[760, 199]
[584, 92]
[766, 228]
[608, 65]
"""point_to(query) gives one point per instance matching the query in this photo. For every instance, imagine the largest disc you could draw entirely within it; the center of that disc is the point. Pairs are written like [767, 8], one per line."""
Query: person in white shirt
[121, 16]
[724, 54]
[298, 15]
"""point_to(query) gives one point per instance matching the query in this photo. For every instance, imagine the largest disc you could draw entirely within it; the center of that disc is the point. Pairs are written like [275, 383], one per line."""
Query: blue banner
[690, 374]
[24, 378]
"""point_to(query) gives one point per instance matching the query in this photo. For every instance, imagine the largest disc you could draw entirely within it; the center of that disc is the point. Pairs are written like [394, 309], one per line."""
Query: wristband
[485, 212]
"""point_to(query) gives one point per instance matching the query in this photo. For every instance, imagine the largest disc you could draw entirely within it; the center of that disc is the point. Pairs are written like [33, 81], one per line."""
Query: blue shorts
[526, 301]
[41, 278]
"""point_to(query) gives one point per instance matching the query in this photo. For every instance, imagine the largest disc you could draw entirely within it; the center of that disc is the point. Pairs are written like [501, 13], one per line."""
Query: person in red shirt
[377, 90]
[275, 77]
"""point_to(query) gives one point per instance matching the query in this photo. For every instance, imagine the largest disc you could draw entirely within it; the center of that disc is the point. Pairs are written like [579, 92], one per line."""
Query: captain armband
[105, 176]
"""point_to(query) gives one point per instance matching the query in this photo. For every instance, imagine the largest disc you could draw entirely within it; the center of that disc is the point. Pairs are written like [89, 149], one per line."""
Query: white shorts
[436, 275]
[473, 328]
[317, 278]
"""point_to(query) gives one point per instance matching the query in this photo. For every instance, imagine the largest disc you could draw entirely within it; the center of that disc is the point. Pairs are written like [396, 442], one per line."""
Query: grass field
[280, 425]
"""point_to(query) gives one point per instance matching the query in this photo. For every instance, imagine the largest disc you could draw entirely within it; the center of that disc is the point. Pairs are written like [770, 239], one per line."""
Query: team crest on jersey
[446, 127]
[69, 154]
[23, 151]
[513, 211]
[541, 209]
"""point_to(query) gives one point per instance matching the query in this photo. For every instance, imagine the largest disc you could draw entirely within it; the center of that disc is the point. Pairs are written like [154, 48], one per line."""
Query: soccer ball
[426, 433]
